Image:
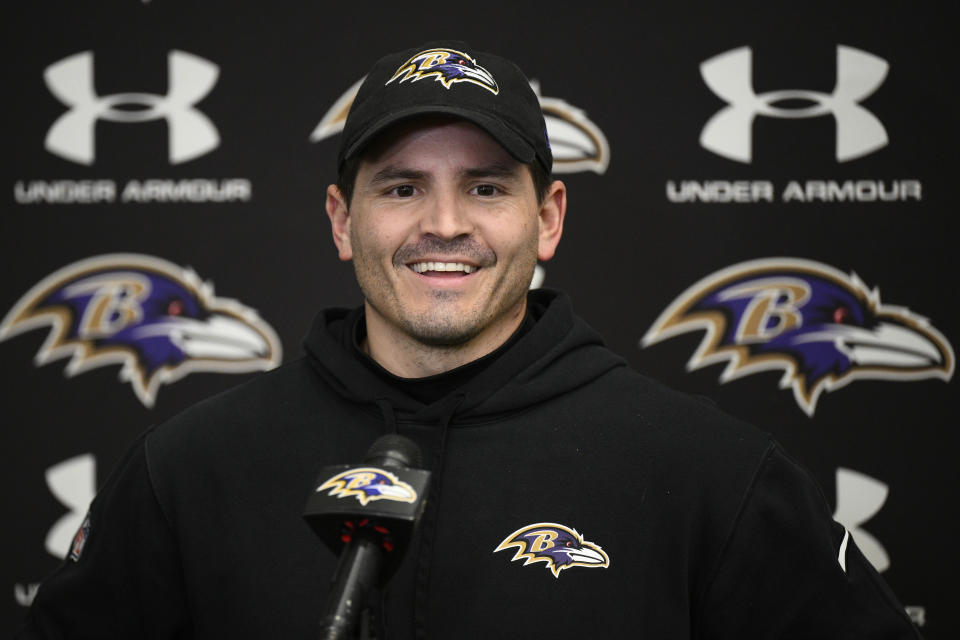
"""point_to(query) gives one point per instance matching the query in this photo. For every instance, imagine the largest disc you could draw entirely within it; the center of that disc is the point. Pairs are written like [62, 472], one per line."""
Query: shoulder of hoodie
[239, 415]
[683, 427]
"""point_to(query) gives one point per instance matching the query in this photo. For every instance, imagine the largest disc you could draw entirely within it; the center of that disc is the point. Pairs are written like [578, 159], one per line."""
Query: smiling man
[444, 228]
[571, 496]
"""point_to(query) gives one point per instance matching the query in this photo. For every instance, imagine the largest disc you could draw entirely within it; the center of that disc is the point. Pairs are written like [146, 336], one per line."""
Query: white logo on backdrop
[539, 275]
[73, 482]
[729, 132]
[859, 498]
[192, 134]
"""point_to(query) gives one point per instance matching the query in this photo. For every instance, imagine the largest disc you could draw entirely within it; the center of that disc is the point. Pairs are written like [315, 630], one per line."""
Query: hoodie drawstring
[389, 419]
[428, 530]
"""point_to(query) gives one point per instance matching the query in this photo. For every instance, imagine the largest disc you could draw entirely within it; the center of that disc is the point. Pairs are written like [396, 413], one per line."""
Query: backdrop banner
[760, 213]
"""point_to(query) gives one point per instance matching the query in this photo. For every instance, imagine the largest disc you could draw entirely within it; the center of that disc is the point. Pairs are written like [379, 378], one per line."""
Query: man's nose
[446, 217]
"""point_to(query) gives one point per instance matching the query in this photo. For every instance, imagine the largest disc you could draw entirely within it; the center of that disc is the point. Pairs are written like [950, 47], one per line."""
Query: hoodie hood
[560, 353]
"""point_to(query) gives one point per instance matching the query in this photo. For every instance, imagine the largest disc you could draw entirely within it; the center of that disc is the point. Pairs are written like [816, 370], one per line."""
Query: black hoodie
[573, 498]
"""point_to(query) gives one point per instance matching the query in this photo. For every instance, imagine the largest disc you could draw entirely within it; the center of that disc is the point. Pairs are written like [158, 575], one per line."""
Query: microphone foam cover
[393, 449]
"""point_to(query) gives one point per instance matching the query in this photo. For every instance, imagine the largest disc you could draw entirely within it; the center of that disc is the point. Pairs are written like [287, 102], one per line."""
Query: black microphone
[366, 514]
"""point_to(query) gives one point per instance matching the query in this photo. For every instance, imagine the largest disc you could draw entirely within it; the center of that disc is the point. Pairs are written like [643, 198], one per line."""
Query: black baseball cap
[448, 77]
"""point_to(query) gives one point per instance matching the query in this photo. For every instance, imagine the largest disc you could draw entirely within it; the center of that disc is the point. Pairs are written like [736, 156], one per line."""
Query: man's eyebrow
[391, 173]
[495, 170]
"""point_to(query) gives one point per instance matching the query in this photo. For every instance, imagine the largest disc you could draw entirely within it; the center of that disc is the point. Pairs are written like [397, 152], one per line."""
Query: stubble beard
[451, 327]
[444, 325]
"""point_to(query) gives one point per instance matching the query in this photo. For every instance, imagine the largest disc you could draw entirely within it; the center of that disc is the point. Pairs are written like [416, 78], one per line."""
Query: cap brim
[507, 137]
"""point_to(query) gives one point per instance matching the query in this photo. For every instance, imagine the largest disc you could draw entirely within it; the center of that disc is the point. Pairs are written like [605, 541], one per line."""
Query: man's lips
[432, 267]
[435, 259]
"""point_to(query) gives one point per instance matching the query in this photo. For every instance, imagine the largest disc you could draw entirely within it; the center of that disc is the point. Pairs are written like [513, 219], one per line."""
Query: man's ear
[339, 216]
[552, 213]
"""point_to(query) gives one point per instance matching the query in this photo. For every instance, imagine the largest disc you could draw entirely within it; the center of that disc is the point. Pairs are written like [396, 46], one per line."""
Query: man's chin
[442, 335]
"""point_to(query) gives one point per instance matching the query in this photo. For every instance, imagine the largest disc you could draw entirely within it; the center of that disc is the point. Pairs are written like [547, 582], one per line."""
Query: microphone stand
[366, 514]
[357, 572]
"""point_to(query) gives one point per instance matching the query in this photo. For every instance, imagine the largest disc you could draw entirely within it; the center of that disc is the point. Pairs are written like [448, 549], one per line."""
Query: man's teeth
[421, 267]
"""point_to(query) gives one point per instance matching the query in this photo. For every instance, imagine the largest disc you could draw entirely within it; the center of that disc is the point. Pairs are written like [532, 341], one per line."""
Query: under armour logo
[192, 134]
[730, 75]
[73, 482]
[859, 498]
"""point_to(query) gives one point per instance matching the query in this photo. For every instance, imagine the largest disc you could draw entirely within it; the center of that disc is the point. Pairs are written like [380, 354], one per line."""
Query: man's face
[444, 229]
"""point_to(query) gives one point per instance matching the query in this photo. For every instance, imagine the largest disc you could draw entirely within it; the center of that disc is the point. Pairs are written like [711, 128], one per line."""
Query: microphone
[366, 514]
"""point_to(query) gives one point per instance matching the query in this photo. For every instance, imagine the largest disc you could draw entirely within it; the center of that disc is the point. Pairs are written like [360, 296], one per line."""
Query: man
[572, 497]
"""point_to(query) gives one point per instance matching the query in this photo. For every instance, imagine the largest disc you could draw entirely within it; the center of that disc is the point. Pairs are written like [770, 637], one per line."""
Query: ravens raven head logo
[822, 328]
[446, 66]
[367, 484]
[555, 545]
[155, 319]
[577, 143]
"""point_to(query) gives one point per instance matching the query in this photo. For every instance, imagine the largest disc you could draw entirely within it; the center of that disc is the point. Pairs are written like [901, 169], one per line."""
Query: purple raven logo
[822, 328]
[367, 484]
[446, 66]
[557, 546]
[155, 319]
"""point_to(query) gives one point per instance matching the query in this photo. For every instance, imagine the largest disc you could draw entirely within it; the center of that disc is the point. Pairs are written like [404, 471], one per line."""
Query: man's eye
[486, 190]
[403, 191]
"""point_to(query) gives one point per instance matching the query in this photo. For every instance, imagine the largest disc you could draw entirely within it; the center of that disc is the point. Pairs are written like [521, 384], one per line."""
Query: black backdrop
[246, 213]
